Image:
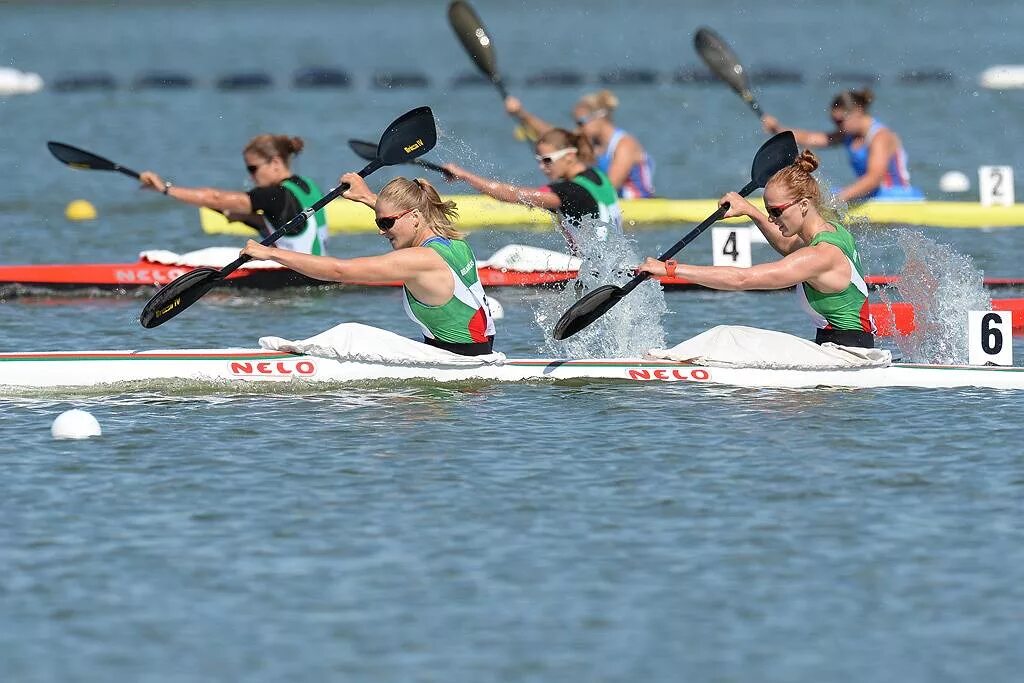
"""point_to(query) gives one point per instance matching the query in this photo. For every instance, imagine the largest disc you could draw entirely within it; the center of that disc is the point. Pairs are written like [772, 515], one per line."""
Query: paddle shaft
[300, 218]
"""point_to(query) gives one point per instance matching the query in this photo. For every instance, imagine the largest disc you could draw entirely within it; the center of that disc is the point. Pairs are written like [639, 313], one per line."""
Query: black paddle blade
[721, 60]
[774, 155]
[79, 158]
[411, 135]
[363, 149]
[474, 37]
[178, 295]
[587, 310]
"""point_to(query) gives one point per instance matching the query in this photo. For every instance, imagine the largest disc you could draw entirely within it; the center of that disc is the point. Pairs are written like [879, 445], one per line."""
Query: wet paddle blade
[178, 295]
[363, 149]
[724, 64]
[83, 160]
[474, 37]
[411, 135]
[774, 155]
[588, 309]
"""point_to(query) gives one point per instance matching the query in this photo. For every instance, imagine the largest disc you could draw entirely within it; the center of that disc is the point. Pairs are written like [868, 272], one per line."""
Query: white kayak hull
[54, 370]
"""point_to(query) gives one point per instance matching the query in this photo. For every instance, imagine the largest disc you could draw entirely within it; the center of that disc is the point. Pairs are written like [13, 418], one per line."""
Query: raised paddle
[409, 136]
[477, 42]
[368, 150]
[780, 151]
[80, 159]
[721, 60]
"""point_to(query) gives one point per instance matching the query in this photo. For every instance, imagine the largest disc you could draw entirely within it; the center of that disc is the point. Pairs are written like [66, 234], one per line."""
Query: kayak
[511, 266]
[478, 211]
[229, 368]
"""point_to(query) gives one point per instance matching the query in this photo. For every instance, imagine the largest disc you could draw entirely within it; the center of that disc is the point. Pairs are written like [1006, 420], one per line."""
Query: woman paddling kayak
[819, 257]
[437, 268]
[279, 194]
[578, 190]
[618, 154]
[876, 153]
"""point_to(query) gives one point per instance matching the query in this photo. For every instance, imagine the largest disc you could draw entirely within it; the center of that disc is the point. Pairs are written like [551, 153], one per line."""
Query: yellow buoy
[80, 210]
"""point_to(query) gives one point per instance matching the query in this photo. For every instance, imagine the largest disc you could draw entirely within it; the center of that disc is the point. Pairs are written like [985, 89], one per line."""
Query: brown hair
[848, 100]
[420, 194]
[601, 100]
[561, 138]
[798, 180]
[270, 146]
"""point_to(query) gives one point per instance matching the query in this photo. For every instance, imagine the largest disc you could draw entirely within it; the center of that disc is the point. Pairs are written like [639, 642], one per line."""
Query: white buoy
[954, 181]
[75, 424]
[497, 310]
[1002, 77]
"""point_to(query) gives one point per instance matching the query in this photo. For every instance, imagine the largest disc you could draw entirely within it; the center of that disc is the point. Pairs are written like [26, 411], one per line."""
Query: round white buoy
[954, 181]
[497, 310]
[75, 424]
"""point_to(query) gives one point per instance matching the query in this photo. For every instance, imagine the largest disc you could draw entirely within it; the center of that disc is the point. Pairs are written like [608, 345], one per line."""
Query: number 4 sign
[731, 247]
[988, 338]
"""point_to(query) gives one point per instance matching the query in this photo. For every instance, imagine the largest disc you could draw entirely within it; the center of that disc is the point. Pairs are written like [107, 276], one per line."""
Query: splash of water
[627, 330]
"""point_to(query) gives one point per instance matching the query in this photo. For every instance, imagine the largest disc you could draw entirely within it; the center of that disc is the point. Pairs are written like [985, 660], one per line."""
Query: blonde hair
[797, 179]
[848, 100]
[270, 146]
[602, 100]
[561, 139]
[419, 194]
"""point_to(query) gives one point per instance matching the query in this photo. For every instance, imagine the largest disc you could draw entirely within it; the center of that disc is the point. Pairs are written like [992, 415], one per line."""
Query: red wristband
[670, 267]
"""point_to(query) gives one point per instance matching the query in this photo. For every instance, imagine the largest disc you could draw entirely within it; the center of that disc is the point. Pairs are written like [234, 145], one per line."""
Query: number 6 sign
[988, 338]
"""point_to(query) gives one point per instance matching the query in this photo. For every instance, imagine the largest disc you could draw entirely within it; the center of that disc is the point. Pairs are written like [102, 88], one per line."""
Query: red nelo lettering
[661, 373]
[264, 368]
[241, 368]
[678, 374]
[305, 367]
[282, 368]
[638, 374]
[700, 373]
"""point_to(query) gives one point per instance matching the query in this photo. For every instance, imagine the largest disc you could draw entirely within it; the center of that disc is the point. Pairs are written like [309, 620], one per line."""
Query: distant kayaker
[278, 197]
[618, 154]
[819, 257]
[437, 268]
[876, 153]
[579, 190]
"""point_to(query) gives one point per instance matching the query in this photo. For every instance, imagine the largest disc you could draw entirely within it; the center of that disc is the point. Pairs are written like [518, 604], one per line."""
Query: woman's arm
[800, 266]
[397, 266]
[538, 125]
[210, 197]
[628, 153]
[883, 147]
[505, 192]
[804, 138]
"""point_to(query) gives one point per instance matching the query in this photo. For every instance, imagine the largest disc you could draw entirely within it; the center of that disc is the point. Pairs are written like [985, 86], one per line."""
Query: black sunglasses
[252, 168]
[385, 223]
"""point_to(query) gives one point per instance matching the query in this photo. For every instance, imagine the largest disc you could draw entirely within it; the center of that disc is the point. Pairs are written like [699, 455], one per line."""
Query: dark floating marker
[775, 75]
[926, 76]
[166, 80]
[556, 78]
[622, 76]
[245, 81]
[400, 80]
[80, 82]
[694, 74]
[837, 76]
[470, 79]
[321, 77]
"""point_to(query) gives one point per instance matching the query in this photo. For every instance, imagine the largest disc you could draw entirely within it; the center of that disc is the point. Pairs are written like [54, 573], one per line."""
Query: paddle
[721, 60]
[368, 151]
[87, 161]
[477, 42]
[409, 136]
[777, 153]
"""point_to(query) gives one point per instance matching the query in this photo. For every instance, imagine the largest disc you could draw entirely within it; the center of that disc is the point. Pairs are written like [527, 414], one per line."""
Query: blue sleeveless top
[640, 181]
[896, 183]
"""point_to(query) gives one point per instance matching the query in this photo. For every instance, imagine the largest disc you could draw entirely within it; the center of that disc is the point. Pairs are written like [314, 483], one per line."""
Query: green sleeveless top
[848, 309]
[608, 209]
[312, 238]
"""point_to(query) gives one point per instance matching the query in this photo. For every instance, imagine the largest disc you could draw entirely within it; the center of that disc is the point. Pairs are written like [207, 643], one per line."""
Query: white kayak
[19, 371]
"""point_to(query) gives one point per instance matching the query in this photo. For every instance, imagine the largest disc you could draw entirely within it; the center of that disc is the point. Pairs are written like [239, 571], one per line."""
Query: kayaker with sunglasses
[876, 153]
[578, 190]
[617, 153]
[279, 194]
[441, 286]
[819, 257]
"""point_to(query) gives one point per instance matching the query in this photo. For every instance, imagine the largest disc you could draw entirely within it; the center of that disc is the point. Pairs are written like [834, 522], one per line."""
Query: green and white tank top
[845, 310]
[312, 239]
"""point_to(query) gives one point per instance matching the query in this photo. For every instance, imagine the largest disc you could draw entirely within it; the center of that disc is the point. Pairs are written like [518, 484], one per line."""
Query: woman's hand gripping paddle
[409, 136]
[780, 151]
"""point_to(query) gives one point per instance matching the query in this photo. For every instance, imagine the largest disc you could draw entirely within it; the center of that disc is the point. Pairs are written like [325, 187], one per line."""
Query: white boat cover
[736, 346]
[214, 257]
[365, 344]
[525, 259]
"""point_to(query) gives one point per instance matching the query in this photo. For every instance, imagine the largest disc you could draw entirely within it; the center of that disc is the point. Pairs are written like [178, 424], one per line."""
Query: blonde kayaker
[876, 153]
[819, 257]
[279, 194]
[437, 268]
[617, 153]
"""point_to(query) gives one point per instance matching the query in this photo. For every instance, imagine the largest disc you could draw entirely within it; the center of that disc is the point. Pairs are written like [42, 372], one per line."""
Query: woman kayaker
[618, 154]
[437, 268]
[819, 257]
[578, 190]
[876, 153]
[278, 197]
